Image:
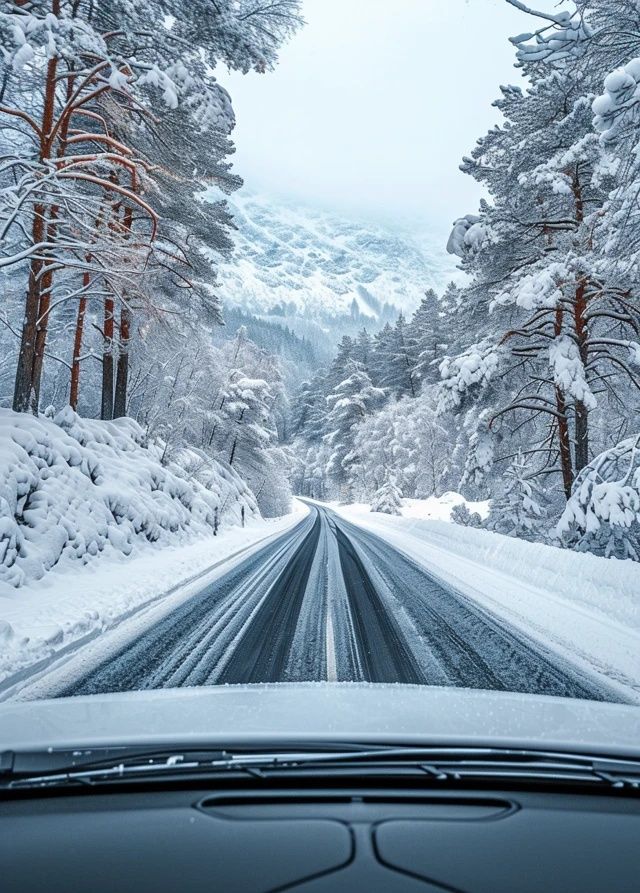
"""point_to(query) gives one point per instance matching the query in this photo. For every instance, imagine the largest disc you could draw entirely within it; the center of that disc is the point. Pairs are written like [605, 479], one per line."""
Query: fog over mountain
[318, 272]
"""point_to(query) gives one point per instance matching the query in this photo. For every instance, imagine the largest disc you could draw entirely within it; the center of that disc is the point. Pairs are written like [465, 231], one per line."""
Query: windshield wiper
[441, 765]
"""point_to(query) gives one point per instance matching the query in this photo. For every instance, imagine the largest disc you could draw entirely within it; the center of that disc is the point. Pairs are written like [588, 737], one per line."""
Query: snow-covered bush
[603, 514]
[73, 488]
[517, 510]
[387, 499]
[460, 514]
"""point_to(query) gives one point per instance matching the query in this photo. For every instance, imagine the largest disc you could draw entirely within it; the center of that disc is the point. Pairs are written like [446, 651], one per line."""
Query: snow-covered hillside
[293, 261]
[73, 489]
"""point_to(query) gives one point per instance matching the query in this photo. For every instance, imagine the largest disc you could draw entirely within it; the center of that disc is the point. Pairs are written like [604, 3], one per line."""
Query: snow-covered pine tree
[347, 406]
[519, 509]
[363, 349]
[396, 359]
[603, 514]
[426, 336]
[387, 499]
[82, 84]
[545, 374]
[407, 439]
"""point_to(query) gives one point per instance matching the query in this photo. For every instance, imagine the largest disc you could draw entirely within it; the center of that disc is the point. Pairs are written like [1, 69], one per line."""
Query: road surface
[331, 601]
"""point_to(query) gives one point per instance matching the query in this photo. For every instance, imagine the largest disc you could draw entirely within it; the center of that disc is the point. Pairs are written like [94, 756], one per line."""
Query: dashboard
[258, 838]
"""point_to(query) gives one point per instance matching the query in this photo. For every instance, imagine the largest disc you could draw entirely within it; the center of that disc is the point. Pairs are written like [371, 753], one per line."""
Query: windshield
[320, 357]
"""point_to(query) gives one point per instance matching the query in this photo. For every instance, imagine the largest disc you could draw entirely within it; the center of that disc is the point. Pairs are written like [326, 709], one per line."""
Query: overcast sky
[374, 104]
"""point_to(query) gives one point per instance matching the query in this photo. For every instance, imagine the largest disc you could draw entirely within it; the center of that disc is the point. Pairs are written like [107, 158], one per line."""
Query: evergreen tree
[309, 408]
[426, 337]
[603, 514]
[387, 499]
[362, 350]
[347, 406]
[552, 328]
[518, 510]
[396, 360]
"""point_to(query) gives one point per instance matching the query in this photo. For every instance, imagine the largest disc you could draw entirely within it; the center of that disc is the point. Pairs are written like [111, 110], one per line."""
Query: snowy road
[328, 600]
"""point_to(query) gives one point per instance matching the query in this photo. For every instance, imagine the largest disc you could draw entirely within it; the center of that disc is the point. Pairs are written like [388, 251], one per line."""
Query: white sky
[374, 104]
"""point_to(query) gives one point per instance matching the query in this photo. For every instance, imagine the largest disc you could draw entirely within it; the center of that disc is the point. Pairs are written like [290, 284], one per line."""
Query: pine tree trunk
[42, 323]
[565, 444]
[122, 373]
[23, 390]
[564, 438]
[26, 389]
[580, 322]
[582, 412]
[77, 349]
[107, 361]
[582, 436]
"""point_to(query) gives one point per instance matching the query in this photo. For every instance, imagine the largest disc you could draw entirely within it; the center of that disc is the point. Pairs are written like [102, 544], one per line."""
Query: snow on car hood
[281, 712]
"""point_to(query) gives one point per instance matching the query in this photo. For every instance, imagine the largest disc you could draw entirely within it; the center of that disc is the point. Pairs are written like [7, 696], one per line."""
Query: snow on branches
[518, 509]
[603, 514]
[472, 370]
[387, 499]
[568, 371]
[113, 121]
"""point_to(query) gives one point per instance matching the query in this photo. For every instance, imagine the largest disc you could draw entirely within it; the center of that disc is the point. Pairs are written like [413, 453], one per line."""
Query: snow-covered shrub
[460, 514]
[73, 488]
[387, 499]
[517, 510]
[603, 513]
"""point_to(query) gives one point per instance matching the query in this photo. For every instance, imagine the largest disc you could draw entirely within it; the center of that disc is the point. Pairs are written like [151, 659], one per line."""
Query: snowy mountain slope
[298, 262]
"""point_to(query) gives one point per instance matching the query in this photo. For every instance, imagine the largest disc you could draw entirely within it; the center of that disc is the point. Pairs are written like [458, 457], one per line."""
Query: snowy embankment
[93, 527]
[583, 607]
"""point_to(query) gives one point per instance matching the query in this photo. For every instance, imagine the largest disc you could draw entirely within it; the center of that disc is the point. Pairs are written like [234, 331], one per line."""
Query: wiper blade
[446, 765]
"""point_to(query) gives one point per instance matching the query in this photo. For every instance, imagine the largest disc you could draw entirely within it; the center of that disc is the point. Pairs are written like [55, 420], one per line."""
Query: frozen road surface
[330, 601]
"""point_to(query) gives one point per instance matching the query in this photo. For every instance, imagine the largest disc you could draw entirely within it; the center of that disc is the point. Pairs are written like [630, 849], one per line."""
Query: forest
[518, 383]
[522, 384]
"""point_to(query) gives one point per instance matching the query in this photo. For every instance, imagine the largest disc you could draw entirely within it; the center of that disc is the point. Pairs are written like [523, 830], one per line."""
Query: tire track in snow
[262, 653]
[186, 646]
[329, 600]
[384, 653]
[473, 648]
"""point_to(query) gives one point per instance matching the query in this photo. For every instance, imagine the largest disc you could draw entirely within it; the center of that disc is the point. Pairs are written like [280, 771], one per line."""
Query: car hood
[287, 712]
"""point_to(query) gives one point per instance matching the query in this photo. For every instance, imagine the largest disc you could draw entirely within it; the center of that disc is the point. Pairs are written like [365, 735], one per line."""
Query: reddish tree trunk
[122, 373]
[23, 390]
[28, 371]
[582, 412]
[565, 444]
[77, 349]
[564, 438]
[107, 361]
[42, 323]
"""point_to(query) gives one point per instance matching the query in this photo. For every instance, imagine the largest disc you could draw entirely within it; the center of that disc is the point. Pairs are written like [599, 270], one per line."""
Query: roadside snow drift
[73, 489]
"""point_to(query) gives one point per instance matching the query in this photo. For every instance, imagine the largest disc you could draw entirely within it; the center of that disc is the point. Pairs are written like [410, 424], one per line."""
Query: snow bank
[58, 616]
[74, 489]
[436, 508]
[581, 606]
[439, 508]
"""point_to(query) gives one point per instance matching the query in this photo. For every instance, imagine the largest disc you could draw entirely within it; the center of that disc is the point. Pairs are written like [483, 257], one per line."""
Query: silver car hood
[268, 714]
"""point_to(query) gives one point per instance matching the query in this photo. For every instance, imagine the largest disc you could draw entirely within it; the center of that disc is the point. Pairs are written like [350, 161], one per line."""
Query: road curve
[329, 600]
